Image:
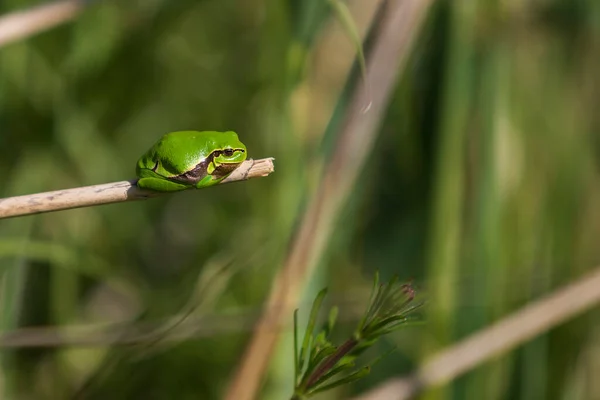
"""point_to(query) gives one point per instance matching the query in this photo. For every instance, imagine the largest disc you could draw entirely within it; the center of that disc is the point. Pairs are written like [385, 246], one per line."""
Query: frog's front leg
[208, 181]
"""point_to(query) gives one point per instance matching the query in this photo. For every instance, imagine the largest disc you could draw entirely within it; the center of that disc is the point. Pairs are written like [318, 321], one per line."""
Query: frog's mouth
[201, 171]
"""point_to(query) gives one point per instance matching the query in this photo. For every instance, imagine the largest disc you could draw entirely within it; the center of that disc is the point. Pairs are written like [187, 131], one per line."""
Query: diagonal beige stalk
[109, 193]
[397, 32]
[524, 324]
[22, 24]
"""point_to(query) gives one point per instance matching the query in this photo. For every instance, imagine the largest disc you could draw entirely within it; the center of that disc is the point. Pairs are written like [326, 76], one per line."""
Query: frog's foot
[160, 185]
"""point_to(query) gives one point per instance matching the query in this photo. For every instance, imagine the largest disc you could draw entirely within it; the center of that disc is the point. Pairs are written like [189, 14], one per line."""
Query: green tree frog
[190, 159]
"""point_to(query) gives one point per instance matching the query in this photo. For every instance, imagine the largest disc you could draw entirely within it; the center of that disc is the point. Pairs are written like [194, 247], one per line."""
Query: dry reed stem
[520, 326]
[109, 193]
[397, 31]
[22, 24]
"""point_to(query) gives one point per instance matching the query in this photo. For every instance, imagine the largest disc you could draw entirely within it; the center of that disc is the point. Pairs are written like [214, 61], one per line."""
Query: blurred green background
[483, 186]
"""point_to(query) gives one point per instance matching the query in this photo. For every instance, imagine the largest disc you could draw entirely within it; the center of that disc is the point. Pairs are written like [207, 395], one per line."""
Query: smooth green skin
[190, 159]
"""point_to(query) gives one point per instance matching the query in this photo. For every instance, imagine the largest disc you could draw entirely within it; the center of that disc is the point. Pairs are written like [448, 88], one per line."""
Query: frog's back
[183, 150]
[179, 152]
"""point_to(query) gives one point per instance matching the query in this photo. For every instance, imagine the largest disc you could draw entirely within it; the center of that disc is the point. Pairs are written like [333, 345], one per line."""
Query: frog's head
[204, 158]
[229, 153]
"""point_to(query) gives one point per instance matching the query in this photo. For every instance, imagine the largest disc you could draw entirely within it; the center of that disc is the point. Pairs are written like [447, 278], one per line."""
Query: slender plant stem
[107, 193]
[330, 361]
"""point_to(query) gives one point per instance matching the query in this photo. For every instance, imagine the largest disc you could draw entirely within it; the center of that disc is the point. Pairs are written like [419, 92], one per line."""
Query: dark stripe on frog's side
[200, 171]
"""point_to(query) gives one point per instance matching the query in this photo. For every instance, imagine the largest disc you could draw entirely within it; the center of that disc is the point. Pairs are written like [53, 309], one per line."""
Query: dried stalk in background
[520, 326]
[397, 32]
[22, 24]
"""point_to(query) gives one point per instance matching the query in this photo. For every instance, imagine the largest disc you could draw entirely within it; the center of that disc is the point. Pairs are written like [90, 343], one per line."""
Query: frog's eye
[228, 152]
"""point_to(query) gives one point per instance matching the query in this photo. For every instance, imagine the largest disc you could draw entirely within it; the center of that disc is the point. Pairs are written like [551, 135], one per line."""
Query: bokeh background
[483, 186]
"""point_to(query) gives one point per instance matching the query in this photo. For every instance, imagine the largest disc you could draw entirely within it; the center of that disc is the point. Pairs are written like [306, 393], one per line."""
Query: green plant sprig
[319, 364]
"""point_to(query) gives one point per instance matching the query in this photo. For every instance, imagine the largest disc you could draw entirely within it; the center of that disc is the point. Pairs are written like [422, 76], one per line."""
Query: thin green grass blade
[382, 299]
[343, 15]
[305, 354]
[338, 369]
[374, 306]
[374, 292]
[361, 373]
[321, 340]
[384, 355]
[296, 366]
[317, 359]
[403, 324]
[384, 323]
[333, 314]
